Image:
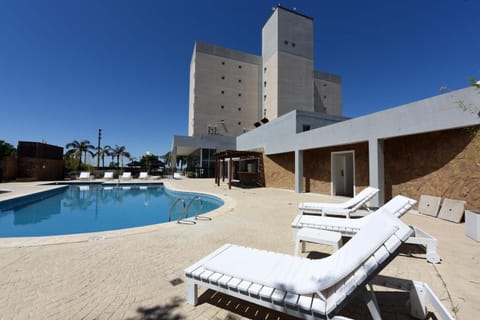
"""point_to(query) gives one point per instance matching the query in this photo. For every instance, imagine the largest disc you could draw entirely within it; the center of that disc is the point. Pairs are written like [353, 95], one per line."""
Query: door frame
[332, 172]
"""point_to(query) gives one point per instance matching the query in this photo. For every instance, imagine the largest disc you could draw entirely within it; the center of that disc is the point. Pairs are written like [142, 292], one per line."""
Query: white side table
[331, 238]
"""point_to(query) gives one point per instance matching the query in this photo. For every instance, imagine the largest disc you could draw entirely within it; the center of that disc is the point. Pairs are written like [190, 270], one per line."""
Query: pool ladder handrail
[185, 211]
[200, 208]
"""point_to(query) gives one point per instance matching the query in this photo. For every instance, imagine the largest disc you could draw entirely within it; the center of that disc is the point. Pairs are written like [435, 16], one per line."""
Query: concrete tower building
[287, 54]
[224, 91]
[230, 90]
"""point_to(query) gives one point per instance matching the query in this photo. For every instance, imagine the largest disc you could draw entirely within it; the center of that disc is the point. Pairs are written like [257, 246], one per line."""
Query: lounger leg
[429, 242]
[371, 301]
[432, 255]
[192, 292]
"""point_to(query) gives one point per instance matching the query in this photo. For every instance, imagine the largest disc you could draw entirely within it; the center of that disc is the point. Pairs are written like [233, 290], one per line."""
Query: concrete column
[377, 170]
[298, 171]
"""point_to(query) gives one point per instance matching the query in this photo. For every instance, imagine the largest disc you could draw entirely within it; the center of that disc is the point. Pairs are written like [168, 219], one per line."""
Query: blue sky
[68, 68]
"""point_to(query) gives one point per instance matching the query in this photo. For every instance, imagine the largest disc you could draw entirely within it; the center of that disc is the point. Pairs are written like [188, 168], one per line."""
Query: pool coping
[11, 242]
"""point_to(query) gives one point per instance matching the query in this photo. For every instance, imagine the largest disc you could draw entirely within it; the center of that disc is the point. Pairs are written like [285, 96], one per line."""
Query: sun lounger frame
[282, 301]
[419, 236]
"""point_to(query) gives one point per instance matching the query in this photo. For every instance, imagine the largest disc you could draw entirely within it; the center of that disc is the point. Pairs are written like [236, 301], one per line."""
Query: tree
[6, 149]
[105, 151]
[79, 148]
[120, 152]
[148, 159]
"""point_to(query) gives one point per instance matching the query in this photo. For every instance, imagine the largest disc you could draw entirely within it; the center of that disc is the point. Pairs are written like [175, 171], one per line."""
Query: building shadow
[161, 312]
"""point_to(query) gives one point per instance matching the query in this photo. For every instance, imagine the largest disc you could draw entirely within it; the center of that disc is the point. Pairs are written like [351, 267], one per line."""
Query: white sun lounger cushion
[301, 275]
[397, 207]
[366, 193]
[331, 223]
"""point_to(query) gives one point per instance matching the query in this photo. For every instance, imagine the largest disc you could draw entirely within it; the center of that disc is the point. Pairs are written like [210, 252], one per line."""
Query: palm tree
[120, 152]
[79, 148]
[105, 151]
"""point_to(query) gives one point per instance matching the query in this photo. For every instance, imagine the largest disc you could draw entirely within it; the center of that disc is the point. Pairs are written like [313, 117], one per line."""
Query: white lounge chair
[342, 209]
[398, 206]
[84, 175]
[309, 289]
[108, 175]
[143, 175]
[126, 176]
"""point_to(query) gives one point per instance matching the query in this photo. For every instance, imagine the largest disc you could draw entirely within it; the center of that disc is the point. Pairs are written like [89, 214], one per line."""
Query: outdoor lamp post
[98, 147]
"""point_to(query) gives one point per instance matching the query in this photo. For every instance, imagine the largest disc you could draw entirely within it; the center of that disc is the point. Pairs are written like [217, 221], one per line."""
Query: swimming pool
[92, 208]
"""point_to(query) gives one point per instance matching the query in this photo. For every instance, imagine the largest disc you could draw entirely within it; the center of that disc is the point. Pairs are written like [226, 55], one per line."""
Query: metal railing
[184, 213]
[183, 216]
[200, 208]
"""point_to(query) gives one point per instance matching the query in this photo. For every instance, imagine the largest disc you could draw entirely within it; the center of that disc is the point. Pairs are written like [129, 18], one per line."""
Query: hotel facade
[430, 147]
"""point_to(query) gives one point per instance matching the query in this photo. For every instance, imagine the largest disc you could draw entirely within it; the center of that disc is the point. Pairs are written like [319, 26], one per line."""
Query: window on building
[286, 42]
[223, 77]
[239, 123]
[293, 44]
[239, 67]
[239, 80]
[264, 83]
[265, 112]
[325, 97]
[239, 108]
[264, 69]
[264, 97]
[223, 63]
[223, 92]
[239, 94]
[223, 107]
[306, 127]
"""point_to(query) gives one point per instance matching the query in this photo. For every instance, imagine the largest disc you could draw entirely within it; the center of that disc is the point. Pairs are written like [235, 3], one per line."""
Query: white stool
[331, 238]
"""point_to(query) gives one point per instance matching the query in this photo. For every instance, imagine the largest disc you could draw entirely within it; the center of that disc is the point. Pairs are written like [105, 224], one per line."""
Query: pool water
[93, 208]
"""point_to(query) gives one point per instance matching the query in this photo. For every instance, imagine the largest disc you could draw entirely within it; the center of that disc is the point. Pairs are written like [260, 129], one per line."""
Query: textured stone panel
[429, 205]
[452, 210]
[444, 164]
[280, 170]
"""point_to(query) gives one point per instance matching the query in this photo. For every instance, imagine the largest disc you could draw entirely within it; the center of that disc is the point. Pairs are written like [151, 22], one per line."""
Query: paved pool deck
[138, 273]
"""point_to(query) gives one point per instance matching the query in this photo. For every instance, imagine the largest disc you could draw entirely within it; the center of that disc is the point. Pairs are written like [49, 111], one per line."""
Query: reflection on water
[90, 208]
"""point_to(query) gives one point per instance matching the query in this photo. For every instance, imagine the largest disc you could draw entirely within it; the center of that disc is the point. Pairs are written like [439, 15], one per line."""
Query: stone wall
[317, 168]
[443, 164]
[279, 170]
